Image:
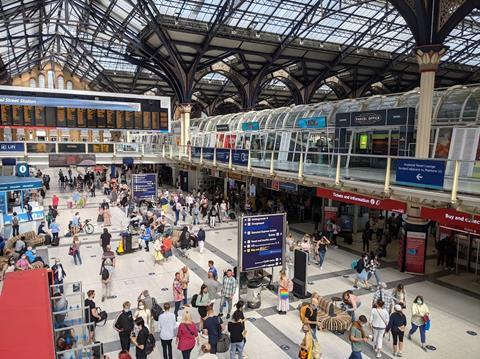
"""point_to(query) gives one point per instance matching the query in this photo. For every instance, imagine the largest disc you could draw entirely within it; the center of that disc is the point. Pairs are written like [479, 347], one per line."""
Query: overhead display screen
[85, 160]
[144, 186]
[82, 109]
[262, 241]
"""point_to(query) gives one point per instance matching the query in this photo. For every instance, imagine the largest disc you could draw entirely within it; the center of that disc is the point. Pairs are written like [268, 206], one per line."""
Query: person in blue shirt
[32, 257]
[211, 268]
[54, 229]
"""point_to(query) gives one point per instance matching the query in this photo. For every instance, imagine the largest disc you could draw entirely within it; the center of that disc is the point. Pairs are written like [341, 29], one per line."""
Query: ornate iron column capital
[428, 57]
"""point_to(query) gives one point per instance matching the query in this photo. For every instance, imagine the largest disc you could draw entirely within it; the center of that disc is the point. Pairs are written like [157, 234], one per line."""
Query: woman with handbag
[187, 335]
[397, 325]
[378, 321]
[420, 319]
[75, 250]
[285, 286]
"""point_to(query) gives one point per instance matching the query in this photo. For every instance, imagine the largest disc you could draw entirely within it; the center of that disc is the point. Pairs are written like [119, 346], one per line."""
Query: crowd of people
[178, 219]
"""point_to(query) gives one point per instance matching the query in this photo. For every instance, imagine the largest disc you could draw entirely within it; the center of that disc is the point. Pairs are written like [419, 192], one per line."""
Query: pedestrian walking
[187, 335]
[358, 337]
[397, 325]
[166, 327]
[76, 250]
[420, 320]
[201, 239]
[379, 318]
[236, 328]
[124, 326]
[229, 287]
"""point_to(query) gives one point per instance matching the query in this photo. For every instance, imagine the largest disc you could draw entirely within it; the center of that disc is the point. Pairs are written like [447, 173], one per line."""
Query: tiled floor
[269, 334]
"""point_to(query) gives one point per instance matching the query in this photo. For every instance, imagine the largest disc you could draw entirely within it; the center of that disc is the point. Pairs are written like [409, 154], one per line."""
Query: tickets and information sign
[144, 186]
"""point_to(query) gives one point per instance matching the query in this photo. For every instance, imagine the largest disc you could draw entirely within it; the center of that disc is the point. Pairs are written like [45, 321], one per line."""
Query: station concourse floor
[270, 335]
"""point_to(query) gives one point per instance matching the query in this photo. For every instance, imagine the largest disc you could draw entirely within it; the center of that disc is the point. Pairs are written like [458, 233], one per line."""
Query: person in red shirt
[55, 200]
[187, 335]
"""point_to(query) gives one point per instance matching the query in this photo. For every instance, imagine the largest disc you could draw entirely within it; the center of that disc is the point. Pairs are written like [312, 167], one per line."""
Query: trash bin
[254, 288]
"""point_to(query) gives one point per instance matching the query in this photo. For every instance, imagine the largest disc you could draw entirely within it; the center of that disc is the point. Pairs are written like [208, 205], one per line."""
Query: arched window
[51, 79]
[41, 81]
[69, 85]
[60, 82]
[33, 83]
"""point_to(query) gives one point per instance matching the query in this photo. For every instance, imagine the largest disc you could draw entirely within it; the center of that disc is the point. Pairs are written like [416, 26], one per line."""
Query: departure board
[138, 120]
[61, 117]
[6, 118]
[129, 120]
[81, 118]
[91, 121]
[40, 115]
[17, 115]
[146, 120]
[82, 109]
[27, 115]
[100, 148]
[110, 119]
[101, 120]
[120, 119]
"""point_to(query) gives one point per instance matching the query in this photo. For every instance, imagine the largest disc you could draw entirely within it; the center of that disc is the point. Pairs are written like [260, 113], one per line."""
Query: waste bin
[254, 288]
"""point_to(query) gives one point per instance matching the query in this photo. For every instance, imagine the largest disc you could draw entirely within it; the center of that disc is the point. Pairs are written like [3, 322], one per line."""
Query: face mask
[419, 302]
[141, 307]
[126, 310]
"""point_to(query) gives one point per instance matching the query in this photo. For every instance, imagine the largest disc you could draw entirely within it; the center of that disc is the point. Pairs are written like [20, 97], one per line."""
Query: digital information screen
[262, 241]
[144, 186]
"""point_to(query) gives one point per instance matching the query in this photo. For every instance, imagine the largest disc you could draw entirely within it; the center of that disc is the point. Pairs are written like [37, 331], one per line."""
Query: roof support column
[428, 58]
[185, 110]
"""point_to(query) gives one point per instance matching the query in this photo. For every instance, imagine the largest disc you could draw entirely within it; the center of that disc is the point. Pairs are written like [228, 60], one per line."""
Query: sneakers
[424, 348]
[321, 268]
[399, 354]
[379, 355]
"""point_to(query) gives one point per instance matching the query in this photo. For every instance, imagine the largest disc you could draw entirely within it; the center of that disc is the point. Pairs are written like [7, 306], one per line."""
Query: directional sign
[223, 155]
[420, 173]
[22, 169]
[262, 241]
[144, 186]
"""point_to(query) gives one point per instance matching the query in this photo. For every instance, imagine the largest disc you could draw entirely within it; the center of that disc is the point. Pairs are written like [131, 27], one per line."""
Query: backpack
[150, 344]
[105, 273]
[194, 301]
[302, 311]
[15, 221]
[156, 309]
[354, 264]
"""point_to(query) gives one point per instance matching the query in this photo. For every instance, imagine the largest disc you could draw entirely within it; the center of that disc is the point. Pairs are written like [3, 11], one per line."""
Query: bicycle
[87, 227]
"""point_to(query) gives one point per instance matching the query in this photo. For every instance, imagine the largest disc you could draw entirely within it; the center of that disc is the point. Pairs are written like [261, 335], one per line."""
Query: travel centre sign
[386, 204]
[452, 218]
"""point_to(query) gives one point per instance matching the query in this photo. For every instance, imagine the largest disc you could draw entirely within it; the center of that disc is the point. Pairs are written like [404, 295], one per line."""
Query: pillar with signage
[413, 242]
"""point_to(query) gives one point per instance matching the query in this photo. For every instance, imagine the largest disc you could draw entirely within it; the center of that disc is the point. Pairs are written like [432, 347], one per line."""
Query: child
[184, 213]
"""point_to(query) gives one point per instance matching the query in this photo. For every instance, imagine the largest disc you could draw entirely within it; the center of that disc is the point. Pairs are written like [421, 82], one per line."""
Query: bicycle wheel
[88, 228]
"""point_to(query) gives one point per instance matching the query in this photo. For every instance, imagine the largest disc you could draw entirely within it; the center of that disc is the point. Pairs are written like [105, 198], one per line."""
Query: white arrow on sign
[419, 177]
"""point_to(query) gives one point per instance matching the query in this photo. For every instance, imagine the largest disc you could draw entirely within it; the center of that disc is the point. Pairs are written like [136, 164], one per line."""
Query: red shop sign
[362, 200]
[452, 218]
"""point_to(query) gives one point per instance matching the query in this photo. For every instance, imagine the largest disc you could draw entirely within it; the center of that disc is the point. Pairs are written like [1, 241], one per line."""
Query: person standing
[140, 340]
[185, 280]
[213, 325]
[76, 250]
[236, 328]
[15, 225]
[384, 296]
[106, 274]
[211, 268]
[177, 293]
[322, 249]
[58, 274]
[213, 286]
[397, 325]
[107, 217]
[124, 326]
[105, 239]
[55, 201]
[450, 253]
[379, 318]
[91, 314]
[54, 230]
[420, 317]
[144, 313]
[285, 286]
[358, 337]
[229, 287]
[166, 327]
[399, 295]
[187, 335]
[201, 239]
[441, 246]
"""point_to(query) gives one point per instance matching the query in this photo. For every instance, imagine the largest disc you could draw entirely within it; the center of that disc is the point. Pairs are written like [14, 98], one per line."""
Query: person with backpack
[15, 225]
[309, 314]
[29, 209]
[166, 327]
[124, 326]
[187, 335]
[201, 239]
[106, 273]
[360, 266]
[397, 325]
[358, 337]
[140, 340]
[213, 326]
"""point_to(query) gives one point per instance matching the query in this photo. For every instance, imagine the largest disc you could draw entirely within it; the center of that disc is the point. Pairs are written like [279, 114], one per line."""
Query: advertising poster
[443, 143]
[262, 241]
[415, 252]
[476, 167]
[329, 214]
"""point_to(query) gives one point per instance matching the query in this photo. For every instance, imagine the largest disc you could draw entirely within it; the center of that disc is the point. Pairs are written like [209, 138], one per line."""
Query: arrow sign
[420, 173]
